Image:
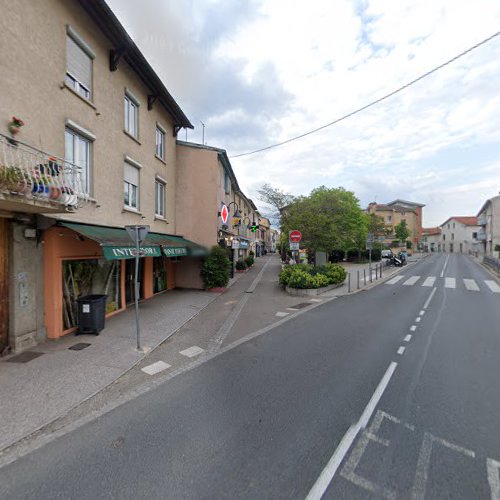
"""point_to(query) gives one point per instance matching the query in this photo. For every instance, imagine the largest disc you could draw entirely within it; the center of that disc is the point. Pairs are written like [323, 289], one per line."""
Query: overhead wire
[373, 103]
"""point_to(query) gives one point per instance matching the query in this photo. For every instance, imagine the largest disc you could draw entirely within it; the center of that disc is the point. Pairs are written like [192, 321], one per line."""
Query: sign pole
[136, 289]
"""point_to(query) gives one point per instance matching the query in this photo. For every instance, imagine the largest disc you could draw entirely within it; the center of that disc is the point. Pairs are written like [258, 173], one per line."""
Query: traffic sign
[294, 245]
[137, 233]
[295, 236]
[224, 214]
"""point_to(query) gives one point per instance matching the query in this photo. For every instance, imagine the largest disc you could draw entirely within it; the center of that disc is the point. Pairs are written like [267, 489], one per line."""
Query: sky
[258, 72]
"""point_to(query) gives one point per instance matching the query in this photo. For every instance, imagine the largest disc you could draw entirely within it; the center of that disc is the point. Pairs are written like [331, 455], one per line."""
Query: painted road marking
[401, 350]
[471, 285]
[417, 319]
[450, 283]
[282, 314]
[191, 352]
[413, 328]
[493, 468]
[292, 309]
[328, 473]
[411, 281]
[316, 300]
[445, 264]
[408, 338]
[422, 312]
[429, 281]
[428, 301]
[394, 280]
[155, 368]
[493, 286]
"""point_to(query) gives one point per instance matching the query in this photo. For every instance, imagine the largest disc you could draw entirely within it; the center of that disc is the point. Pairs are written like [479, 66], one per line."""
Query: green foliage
[306, 276]
[376, 225]
[328, 218]
[408, 244]
[249, 261]
[241, 265]
[251, 253]
[401, 231]
[215, 268]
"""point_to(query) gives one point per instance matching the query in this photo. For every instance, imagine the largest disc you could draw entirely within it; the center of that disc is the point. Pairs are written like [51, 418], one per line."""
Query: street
[391, 392]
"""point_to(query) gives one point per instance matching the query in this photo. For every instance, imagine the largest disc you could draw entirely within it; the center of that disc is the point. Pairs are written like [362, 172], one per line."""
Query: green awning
[116, 242]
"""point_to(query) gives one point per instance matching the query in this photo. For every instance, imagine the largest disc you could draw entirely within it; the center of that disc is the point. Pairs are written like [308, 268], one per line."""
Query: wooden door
[4, 286]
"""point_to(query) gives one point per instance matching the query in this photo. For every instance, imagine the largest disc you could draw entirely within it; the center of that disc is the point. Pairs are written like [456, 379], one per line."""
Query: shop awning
[116, 243]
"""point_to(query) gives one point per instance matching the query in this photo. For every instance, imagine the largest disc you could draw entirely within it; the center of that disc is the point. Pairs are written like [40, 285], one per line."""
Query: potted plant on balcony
[15, 125]
[12, 179]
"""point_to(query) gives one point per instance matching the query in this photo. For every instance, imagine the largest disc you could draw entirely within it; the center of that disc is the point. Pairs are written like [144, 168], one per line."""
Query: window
[77, 151]
[444, 237]
[131, 115]
[160, 143]
[389, 218]
[452, 236]
[226, 183]
[131, 186]
[79, 58]
[448, 226]
[474, 236]
[453, 225]
[159, 198]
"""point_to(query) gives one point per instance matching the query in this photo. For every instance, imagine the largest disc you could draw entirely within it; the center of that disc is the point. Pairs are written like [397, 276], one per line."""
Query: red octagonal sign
[295, 236]
[224, 214]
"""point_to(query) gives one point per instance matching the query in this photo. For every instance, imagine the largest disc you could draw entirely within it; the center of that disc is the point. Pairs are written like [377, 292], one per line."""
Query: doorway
[129, 280]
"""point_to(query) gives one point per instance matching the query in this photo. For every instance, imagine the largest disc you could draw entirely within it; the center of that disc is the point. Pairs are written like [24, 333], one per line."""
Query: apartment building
[431, 239]
[460, 235]
[96, 152]
[488, 218]
[211, 208]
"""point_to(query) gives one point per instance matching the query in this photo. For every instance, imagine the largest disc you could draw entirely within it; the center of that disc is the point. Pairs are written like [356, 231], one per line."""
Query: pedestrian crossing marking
[493, 286]
[471, 285]
[394, 280]
[411, 281]
[429, 281]
[450, 283]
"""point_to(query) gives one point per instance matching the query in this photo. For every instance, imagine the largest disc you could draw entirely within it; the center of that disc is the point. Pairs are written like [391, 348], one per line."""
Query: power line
[373, 103]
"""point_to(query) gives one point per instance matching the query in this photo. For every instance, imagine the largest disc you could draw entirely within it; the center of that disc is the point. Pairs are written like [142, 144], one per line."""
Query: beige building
[460, 235]
[394, 213]
[206, 183]
[97, 152]
[488, 218]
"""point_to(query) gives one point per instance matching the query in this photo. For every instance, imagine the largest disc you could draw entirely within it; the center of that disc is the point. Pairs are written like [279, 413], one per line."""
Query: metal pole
[136, 288]
[348, 282]
[358, 279]
[370, 262]
[364, 276]
[381, 269]
[371, 277]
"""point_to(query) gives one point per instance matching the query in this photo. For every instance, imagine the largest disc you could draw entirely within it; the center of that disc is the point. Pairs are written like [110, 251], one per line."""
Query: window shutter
[79, 63]
[131, 174]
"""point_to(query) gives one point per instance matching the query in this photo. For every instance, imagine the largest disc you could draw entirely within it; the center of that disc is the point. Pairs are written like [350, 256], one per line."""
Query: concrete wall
[33, 88]
[188, 273]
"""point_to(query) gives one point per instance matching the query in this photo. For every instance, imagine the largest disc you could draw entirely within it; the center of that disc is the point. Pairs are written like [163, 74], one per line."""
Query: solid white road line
[401, 350]
[191, 352]
[428, 301]
[450, 283]
[493, 286]
[471, 285]
[328, 473]
[407, 338]
[154, 368]
[445, 264]
[394, 280]
[411, 281]
[429, 281]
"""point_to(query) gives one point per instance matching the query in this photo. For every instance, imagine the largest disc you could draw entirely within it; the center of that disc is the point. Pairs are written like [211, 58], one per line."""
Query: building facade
[488, 218]
[105, 131]
[431, 239]
[460, 235]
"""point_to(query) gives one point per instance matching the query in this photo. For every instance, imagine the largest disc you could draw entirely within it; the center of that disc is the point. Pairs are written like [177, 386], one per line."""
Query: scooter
[396, 261]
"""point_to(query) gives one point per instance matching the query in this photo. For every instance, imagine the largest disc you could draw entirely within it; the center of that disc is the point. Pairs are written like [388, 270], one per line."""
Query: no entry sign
[295, 236]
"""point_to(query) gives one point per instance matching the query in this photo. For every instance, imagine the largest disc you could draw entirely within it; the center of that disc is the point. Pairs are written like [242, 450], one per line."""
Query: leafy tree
[328, 218]
[401, 231]
[376, 225]
[276, 199]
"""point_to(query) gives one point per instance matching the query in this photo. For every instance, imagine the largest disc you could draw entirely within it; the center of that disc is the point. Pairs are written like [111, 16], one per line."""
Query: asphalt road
[322, 405]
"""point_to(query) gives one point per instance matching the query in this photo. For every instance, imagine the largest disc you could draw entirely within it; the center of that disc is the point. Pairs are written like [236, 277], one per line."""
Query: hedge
[306, 276]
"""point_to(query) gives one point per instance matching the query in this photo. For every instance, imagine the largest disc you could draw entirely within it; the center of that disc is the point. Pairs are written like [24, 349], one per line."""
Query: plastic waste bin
[91, 313]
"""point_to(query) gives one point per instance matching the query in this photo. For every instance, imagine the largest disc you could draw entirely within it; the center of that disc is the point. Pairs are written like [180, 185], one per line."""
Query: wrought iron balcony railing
[27, 172]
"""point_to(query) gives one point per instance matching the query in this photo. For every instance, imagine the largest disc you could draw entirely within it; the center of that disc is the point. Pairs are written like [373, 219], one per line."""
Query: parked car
[386, 254]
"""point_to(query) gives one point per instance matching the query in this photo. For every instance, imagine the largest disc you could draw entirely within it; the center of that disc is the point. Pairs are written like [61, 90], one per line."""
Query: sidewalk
[55, 383]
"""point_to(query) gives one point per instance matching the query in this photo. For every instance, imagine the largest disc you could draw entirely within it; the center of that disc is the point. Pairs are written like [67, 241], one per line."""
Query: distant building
[460, 235]
[431, 239]
[488, 219]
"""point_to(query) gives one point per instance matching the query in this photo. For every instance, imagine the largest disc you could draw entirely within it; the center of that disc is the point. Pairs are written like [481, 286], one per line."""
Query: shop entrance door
[129, 279]
[4, 287]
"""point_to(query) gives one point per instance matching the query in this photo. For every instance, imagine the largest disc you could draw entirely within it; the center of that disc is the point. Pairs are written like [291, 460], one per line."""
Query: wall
[187, 273]
[462, 234]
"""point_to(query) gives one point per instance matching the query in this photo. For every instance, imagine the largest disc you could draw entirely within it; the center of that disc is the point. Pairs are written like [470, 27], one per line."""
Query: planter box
[310, 292]
[242, 270]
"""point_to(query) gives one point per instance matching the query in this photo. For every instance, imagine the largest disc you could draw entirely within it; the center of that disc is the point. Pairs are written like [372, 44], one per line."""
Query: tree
[401, 231]
[276, 199]
[376, 225]
[329, 218]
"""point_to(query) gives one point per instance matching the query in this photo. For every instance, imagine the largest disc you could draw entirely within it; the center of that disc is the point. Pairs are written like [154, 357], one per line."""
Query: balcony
[32, 181]
[481, 220]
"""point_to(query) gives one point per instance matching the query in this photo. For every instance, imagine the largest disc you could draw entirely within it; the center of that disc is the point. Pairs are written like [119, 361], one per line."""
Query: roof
[391, 208]
[123, 44]
[429, 231]
[487, 202]
[404, 202]
[465, 220]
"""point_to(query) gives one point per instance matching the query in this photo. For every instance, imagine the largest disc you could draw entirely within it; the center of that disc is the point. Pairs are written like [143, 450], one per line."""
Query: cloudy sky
[258, 72]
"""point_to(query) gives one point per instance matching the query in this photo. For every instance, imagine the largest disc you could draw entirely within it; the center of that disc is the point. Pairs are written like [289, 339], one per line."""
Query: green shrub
[249, 261]
[241, 265]
[215, 268]
[301, 279]
[306, 276]
[252, 253]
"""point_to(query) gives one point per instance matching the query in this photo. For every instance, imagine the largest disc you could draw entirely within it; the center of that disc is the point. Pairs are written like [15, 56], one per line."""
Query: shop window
[159, 274]
[89, 277]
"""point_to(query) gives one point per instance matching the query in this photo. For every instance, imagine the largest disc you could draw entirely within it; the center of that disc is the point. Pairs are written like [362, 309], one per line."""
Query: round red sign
[295, 236]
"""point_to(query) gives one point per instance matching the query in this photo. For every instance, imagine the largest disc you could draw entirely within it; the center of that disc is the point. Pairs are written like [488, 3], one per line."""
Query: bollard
[348, 282]
[371, 275]
[381, 269]
[358, 279]
[364, 276]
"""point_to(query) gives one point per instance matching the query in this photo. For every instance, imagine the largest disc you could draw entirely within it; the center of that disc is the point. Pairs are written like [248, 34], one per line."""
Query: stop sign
[295, 236]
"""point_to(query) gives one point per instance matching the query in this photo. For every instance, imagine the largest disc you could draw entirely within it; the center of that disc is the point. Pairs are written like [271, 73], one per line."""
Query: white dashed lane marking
[191, 352]
[471, 285]
[154, 368]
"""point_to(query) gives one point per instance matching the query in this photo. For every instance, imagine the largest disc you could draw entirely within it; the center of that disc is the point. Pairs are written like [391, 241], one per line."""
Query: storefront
[83, 259]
